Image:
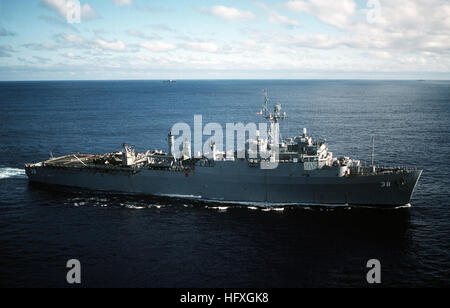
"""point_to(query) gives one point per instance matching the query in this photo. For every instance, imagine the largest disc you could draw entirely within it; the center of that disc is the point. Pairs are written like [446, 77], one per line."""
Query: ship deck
[81, 161]
[74, 161]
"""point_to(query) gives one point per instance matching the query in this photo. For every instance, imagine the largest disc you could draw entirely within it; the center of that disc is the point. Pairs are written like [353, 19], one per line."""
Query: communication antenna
[373, 148]
[266, 103]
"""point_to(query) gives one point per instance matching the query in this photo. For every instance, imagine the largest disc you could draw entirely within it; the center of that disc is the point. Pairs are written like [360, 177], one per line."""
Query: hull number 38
[385, 184]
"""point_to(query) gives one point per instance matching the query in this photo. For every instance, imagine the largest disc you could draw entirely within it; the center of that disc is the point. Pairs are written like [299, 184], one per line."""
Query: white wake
[6, 173]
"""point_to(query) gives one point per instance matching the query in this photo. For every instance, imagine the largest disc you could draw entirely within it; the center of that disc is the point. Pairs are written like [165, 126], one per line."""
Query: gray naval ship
[306, 173]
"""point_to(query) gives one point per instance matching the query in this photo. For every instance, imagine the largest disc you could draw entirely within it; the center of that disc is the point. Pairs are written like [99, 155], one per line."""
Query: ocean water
[136, 241]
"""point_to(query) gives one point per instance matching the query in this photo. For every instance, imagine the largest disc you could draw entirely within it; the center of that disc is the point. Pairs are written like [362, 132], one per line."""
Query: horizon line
[229, 79]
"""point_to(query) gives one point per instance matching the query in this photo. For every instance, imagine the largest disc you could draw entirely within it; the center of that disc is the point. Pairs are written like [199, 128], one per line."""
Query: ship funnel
[304, 132]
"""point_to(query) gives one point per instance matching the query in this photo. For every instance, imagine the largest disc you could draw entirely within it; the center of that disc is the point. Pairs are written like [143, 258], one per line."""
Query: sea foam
[6, 173]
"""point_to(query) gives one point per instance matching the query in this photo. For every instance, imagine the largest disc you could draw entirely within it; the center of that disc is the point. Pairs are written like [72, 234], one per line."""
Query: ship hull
[239, 182]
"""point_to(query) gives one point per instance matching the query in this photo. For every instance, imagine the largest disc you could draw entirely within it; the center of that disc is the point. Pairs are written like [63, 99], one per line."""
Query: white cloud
[202, 46]
[141, 35]
[318, 41]
[336, 13]
[76, 42]
[5, 32]
[380, 54]
[72, 56]
[41, 46]
[278, 19]
[123, 2]
[73, 38]
[87, 12]
[229, 13]
[5, 51]
[158, 46]
[62, 7]
[112, 46]
[411, 26]
[409, 35]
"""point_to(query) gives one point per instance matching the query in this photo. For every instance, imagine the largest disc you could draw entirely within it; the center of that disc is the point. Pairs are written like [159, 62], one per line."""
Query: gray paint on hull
[237, 181]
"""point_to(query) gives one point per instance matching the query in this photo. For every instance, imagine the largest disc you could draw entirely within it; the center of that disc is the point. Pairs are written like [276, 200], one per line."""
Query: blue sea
[135, 241]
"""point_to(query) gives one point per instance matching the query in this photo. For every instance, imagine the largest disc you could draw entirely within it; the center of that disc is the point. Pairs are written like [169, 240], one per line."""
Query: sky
[227, 39]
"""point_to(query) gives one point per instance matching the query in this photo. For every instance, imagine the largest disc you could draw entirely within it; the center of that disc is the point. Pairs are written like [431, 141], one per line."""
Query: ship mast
[266, 103]
[274, 119]
[373, 148]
